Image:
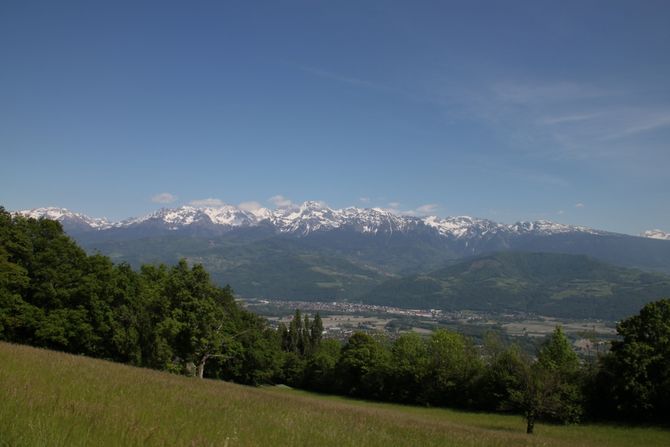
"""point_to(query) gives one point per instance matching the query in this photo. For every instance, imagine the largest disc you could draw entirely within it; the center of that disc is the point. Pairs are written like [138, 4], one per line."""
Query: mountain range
[310, 217]
[301, 220]
[313, 252]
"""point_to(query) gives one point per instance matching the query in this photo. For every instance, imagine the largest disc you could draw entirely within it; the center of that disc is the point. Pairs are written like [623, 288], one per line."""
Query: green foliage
[560, 361]
[638, 369]
[53, 295]
[302, 336]
[556, 354]
[363, 366]
[316, 331]
[454, 366]
[502, 376]
[551, 387]
[409, 369]
[321, 373]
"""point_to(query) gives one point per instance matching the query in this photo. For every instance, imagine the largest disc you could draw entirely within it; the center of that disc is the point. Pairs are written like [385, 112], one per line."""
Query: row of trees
[52, 294]
[630, 383]
[447, 369]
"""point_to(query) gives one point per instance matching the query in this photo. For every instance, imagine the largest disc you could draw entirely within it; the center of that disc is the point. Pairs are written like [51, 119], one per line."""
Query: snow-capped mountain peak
[307, 218]
[226, 215]
[656, 234]
[459, 227]
[548, 227]
[64, 215]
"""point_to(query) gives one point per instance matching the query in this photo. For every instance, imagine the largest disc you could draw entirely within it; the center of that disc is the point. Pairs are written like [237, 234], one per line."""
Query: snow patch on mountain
[65, 215]
[548, 227]
[309, 217]
[656, 234]
[461, 227]
[314, 217]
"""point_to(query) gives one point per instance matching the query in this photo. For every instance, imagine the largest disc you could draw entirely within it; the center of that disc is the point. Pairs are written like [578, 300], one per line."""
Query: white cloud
[423, 210]
[207, 202]
[639, 122]
[164, 197]
[544, 92]
[249, 206]
[393, 207]
[280, 201]
[564, 120]
[364, 199]
[579, 205]
[559, 212]
[429, 208]
[321, 203]
[570, 118]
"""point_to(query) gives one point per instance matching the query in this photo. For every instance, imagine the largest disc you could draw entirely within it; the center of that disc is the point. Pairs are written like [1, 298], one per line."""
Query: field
[54, 399]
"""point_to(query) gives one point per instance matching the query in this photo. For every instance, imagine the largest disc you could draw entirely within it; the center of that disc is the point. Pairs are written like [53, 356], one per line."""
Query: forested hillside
[552, 284]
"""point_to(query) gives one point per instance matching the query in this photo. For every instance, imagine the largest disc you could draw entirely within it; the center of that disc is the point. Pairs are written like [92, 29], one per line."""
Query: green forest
[174, 318]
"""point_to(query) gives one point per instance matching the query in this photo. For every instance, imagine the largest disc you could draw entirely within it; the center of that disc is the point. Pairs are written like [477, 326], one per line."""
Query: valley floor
[54, 399]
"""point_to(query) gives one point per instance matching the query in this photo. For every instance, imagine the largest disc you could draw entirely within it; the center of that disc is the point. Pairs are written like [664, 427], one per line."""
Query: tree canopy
[637, 371]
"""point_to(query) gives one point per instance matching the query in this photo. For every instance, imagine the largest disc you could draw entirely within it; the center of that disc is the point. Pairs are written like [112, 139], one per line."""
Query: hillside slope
[560, 285]
[55, 399]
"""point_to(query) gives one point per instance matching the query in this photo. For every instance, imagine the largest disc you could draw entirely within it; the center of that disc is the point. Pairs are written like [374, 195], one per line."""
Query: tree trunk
[530, 419]
[201, 366]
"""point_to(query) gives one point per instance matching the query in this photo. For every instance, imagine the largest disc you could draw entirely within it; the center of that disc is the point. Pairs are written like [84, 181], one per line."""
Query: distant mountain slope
[549, 284]
[312, 252]
[256, 266]
[361, 233]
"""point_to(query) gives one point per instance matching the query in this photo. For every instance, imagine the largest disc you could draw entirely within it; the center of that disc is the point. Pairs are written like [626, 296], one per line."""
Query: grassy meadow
[54, 399]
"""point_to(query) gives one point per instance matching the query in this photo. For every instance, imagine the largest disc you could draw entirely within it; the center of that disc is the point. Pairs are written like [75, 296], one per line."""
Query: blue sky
[502, 110]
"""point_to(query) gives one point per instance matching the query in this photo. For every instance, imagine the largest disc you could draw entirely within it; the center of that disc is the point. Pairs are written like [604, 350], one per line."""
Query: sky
[515, 110]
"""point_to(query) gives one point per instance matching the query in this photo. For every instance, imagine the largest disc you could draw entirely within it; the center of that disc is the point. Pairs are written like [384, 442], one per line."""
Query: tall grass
[54, 399]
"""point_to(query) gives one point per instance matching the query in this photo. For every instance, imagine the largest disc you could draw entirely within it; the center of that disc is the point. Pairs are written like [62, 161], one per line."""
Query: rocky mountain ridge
[305, 219]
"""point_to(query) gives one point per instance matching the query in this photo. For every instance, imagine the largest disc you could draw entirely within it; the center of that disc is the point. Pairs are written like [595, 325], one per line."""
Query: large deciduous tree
[454, 366]
[363, 366]
[551, 386]
[638, 367]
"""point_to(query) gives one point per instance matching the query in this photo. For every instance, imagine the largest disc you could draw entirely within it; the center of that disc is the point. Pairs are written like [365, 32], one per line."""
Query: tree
[295, 333]
[363, 366]
[551, 386]
[502, 374]
[316, 332]
[302, 336]
[537, 393]
[321, 371]
[253, 355]
[410, 367]
[455, 366]
[201, 312]
[638, 368]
